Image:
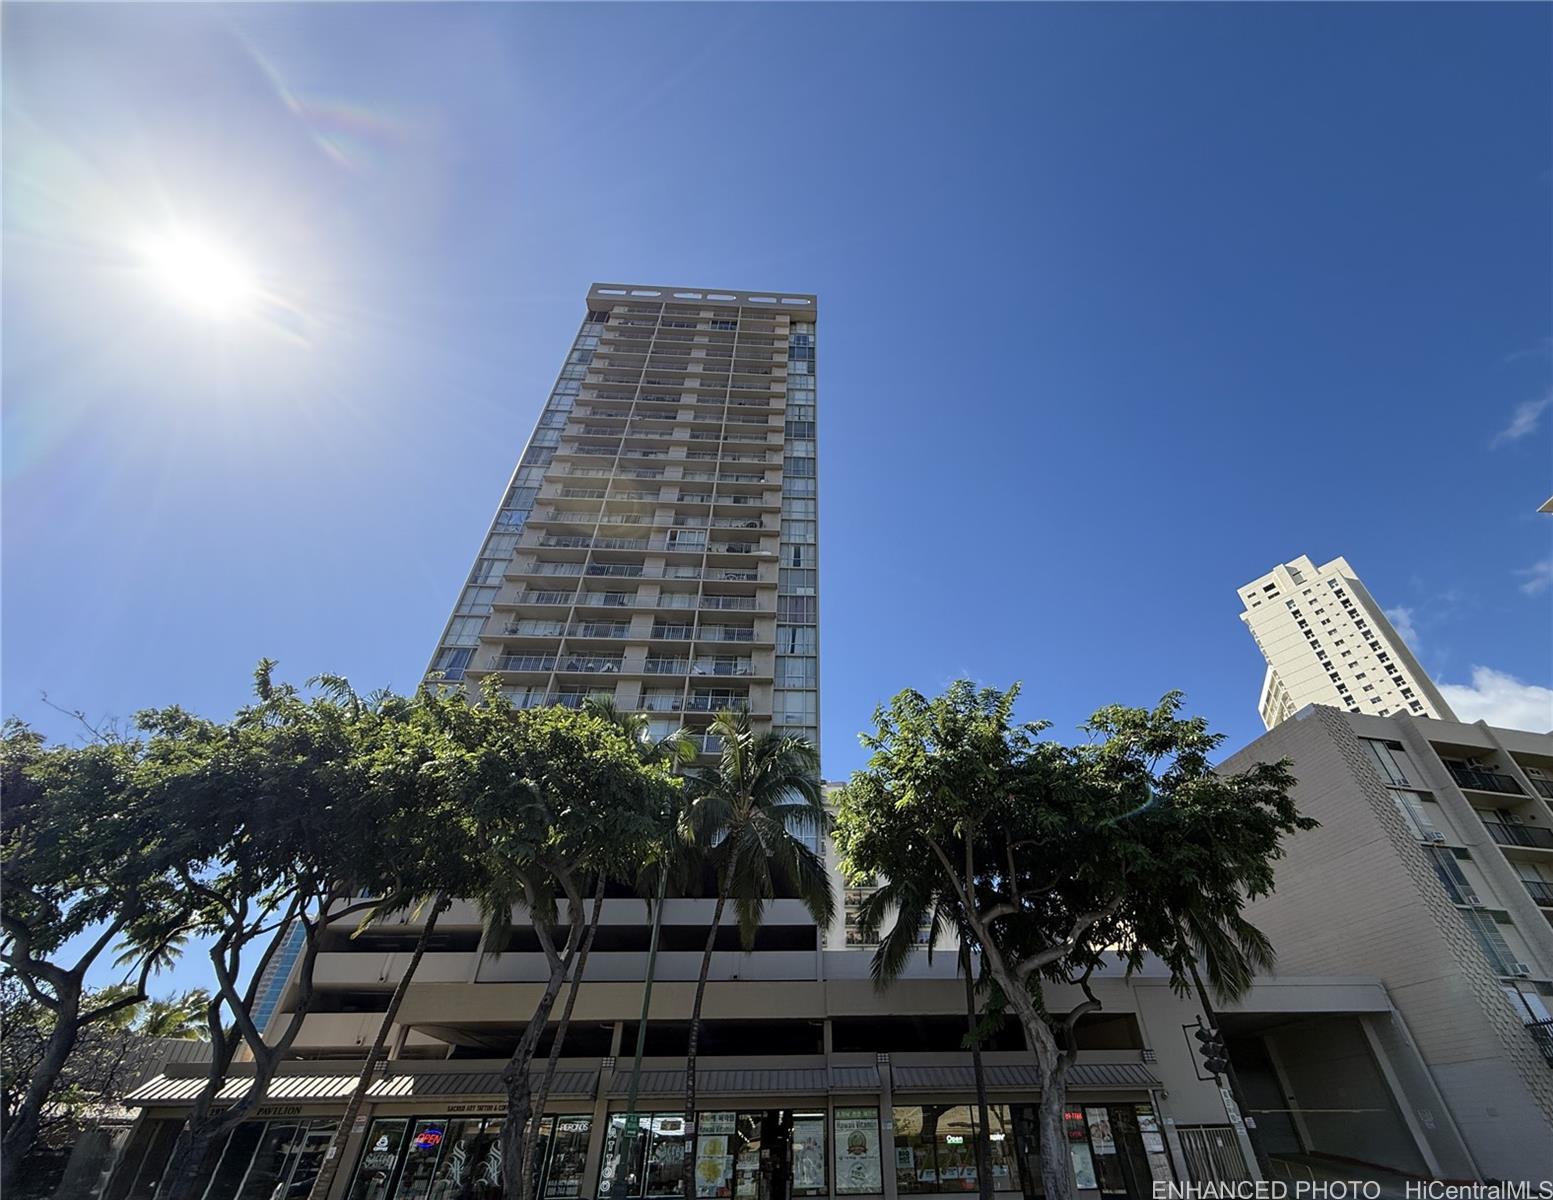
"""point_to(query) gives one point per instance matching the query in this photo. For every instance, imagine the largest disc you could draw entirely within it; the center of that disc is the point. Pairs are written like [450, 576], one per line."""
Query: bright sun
[199, 274]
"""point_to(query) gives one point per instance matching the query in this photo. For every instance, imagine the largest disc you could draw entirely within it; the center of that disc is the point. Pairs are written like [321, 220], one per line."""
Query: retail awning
[165, 1090]
[743, 1082]
[1131, 1076]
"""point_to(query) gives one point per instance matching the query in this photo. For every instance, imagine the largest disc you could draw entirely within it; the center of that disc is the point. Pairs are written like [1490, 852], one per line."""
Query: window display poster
[808, 1153]
[714, 1154]
[857, 1151]
[1083, 1166]
[1100, 1136]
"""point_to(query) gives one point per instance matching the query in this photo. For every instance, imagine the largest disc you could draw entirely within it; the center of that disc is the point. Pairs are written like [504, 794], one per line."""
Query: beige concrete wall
[1358, 894]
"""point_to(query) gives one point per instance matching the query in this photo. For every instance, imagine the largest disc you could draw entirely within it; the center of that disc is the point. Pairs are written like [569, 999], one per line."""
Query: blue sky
[1121, 306]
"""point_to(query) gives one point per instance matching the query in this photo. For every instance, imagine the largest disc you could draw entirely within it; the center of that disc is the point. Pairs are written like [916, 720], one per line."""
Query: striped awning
[165, 1090]
[742, 1082]
[1023, 1077]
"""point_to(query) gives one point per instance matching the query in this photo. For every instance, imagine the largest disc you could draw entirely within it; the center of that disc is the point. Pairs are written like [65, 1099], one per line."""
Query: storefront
[454, 1157]
[845, 1132]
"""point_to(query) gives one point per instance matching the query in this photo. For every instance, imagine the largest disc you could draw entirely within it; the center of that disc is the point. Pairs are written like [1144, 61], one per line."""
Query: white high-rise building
[1326, 641]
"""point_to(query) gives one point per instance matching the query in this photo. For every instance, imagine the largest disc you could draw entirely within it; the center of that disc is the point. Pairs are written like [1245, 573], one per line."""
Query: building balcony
[1541, 892]
[1519, 835]
[1544, 787]
[1485, 781]
[1542, 1033]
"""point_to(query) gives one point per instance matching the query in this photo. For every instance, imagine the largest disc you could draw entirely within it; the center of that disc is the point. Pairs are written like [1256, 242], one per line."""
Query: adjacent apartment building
[1326, 641]
[1432, 870]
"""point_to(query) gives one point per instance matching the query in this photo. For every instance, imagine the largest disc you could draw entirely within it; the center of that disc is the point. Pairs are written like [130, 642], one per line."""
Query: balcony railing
[1542, 1033]
[525, 662]
[736, 603]
[1541, 892]
[1544, 787]
[1519, 835]
[602, 664]
[1485, 781]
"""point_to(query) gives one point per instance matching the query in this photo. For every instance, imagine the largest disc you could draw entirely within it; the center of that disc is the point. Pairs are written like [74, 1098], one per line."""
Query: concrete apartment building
[1433, 871]
[658, 541]
[1326, 641]
[658, 544]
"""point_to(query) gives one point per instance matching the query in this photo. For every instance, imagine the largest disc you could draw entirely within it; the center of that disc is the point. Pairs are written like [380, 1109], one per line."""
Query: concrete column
[1398, 1096]
[887, 1129]
[600, 1130]
[1172, 1138]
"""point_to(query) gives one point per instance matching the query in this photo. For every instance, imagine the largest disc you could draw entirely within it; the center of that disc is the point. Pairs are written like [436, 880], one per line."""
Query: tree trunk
[530, 1178]
[1253, 1135]
[690, 1053]
[333, 1157]
[520, 1101]
[1056, 1173]
[983, 1140]
[22, 1130]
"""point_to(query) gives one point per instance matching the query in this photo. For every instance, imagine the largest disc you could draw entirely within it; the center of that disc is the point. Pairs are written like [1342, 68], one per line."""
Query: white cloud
[1539, 577]
[1501, 700]
[1402, 619]
[1524, 420]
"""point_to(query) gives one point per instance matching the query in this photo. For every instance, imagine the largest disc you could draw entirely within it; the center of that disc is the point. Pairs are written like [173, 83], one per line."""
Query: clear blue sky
[1122, 305]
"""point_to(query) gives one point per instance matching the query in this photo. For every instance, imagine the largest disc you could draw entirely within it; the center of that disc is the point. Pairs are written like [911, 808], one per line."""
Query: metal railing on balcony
[667, 666]
[599, 664]
[1541, 892]
[716, 704]
[734, 603]
[1506, 834]
[525, 662]
[1542, 1033]
[1485, 781]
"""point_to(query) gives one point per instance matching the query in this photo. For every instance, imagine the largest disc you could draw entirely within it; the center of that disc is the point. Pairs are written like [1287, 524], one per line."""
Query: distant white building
[1326, 641]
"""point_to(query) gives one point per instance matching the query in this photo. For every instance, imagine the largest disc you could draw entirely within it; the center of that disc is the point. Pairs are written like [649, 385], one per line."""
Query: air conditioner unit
[1434, 835]
[1521, 969]
[1470, 897]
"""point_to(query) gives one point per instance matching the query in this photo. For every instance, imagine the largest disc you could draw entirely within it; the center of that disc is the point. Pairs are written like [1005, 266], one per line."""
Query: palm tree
[746, 816]
[180, 1017]
[917, 906]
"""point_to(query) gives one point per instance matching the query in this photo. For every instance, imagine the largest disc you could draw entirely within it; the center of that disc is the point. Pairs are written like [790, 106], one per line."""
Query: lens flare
[200, 274]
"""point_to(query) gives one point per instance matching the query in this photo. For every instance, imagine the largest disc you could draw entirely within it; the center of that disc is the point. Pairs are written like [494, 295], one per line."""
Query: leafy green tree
[554, 799]
[1059, 860]
[267, 825]
[674, 750]
[421, 863]
[73, 883]
[747, 816]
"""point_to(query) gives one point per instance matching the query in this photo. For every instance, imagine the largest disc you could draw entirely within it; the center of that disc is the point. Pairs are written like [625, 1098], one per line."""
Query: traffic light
[1215, 1058]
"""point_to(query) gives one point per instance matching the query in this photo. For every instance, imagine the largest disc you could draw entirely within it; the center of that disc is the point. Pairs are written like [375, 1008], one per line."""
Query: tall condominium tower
[1326, 641]
[657, 543]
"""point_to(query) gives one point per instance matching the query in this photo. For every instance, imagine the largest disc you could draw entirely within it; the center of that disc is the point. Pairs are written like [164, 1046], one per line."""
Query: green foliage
[744, 818]
[1058, 853]
[1055, 861]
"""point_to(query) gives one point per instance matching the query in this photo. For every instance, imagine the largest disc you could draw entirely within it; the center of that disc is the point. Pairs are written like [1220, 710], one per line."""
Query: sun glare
[200, 274]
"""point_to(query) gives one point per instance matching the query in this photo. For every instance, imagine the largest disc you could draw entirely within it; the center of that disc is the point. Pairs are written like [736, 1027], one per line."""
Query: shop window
[857, 1152]
[935, 1148]
[657, 1157]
